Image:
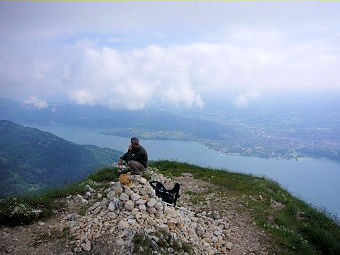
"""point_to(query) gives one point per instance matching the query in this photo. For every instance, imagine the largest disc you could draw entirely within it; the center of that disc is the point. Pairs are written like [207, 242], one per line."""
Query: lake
[316, 181]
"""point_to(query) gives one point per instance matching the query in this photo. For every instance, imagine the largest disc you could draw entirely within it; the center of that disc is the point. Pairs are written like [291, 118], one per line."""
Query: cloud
[35, 102]
[181, 74]
[244, 99]
[248, 62]
[129, 79]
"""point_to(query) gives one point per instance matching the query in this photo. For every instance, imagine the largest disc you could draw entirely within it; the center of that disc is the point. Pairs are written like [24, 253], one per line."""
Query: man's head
[134, 141]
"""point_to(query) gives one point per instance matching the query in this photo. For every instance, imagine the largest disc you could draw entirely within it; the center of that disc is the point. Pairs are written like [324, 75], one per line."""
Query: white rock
[140, 201]
[118, 190]
[151, 210]
[124, 197]
[110, 195]
[228, 245]
[218, 232]
[37, 212]
[86, 246]
[90, 189]
[132, 221]
[129, 205]
[95, 206]
[134, 196]
[143, 181]
[120, 241]
[123, 225]
[97, 210]
[112, 207]
[112, 215]
[105, 201]
[142, 207]
[159, 206]
[152, 202]
[128, 191]
[143, 191]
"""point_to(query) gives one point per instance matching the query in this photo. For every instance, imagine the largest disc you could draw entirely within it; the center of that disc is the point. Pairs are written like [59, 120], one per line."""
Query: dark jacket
[137, 153]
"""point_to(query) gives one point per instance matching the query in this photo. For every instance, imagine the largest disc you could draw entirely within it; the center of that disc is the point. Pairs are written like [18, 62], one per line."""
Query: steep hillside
[31, 159]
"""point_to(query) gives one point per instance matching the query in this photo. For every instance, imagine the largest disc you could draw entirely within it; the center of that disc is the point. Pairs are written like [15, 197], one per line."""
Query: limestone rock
[95, 206]
[129, 205]
[228, 245]
[123, 225]
[140, 201]
[124, 197]
[143, 191]
[143, 181]
[120, 241]
[112, 215]
[86, 246]
[97, 210]
[134, 196]
[112, 207]
[159, 206]
[152, 202]
[110, 195]
[118, 190]
[142, 207]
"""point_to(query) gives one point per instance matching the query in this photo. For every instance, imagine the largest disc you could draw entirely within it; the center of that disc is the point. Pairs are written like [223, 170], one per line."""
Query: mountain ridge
[31, 159]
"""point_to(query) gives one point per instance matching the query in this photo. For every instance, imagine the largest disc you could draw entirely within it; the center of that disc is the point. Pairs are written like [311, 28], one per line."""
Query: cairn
[129, 208]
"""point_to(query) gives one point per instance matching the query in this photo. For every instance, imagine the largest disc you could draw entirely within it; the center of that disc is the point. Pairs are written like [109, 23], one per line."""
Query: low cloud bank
[247, 62]
[35, 102]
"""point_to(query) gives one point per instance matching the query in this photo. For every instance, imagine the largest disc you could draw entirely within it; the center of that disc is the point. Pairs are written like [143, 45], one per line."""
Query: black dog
[168, 196]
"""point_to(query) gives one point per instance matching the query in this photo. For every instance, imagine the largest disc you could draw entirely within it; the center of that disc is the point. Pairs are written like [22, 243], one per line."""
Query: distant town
[266, 134]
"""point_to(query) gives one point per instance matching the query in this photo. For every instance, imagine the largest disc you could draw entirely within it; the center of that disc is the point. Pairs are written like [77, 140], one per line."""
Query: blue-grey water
[316, 181]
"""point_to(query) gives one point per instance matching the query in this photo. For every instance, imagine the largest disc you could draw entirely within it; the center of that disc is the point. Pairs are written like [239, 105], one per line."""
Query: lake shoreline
[316, 181]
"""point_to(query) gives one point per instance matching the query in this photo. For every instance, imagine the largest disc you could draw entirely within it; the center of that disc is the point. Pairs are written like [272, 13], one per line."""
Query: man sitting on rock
[136, 157]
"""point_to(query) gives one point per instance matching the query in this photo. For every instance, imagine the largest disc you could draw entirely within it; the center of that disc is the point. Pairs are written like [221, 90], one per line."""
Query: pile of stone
[132, 208]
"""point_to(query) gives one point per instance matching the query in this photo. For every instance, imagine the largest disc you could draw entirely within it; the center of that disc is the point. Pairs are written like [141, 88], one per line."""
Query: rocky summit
[132, 219]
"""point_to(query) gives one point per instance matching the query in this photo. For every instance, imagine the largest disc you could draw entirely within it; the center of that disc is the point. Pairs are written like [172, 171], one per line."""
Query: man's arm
[126, 157]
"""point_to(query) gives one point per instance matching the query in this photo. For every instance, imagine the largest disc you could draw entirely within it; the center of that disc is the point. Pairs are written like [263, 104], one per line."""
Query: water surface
[316, 181]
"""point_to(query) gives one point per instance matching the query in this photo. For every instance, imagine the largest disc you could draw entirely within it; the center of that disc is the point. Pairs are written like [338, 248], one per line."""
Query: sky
[131, 55]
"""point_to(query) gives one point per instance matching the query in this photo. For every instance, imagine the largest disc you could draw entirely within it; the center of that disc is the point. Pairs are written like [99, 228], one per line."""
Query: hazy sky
[133, 54]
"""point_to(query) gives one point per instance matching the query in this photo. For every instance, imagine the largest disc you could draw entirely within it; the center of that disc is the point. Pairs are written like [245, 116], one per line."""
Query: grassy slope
[314, 233]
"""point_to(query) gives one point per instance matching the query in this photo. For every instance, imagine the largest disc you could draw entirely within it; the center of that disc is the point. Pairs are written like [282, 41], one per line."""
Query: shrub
[17, 211]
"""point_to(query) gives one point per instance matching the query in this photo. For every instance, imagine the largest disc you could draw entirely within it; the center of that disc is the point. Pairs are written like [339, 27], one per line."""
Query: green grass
[106, 174]
[315, 233]
[141, 244]
[18, 210]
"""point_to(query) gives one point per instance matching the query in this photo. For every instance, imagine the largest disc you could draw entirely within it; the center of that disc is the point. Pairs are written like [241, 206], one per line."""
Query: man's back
[139, 154]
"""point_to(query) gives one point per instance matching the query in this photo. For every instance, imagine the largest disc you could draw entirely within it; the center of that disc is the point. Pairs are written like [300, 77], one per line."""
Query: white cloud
[35, 102]
[130, 79]
[247, 62]
[182, 74]
[246, 98]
